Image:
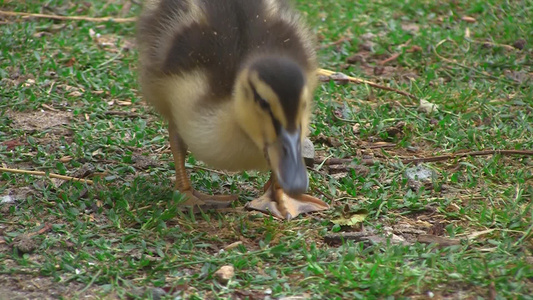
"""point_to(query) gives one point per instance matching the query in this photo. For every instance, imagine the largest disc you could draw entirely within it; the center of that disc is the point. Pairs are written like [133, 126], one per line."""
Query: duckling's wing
[218, 37]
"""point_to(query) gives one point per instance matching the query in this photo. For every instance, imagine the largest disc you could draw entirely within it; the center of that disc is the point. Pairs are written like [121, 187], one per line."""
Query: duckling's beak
[287, 163]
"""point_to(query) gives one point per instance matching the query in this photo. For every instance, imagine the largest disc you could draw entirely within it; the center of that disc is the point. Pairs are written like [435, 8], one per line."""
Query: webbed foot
[283, 206]
[200, 201]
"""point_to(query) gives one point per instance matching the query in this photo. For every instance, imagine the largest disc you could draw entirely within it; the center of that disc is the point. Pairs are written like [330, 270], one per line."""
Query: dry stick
[52, 175]
[68, 18]
[473, 153]
[452, 61]
[340, 161]
[508, 47]
[329, 74]
[388, 60]
[337, 42]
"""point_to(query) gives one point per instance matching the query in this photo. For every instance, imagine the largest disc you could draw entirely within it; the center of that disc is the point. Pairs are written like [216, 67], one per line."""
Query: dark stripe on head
[266, 106]
[286, 79]
[233, 31]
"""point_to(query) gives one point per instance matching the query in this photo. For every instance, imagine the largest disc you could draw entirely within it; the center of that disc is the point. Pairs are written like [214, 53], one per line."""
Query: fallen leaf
[351, 220]
[124, 103]
[65, 159]
[74, 94]
[414, 48]
[70, 62]
[427, 107]
[477, 234]
[11, 144]
[410, 27]
[233, 245]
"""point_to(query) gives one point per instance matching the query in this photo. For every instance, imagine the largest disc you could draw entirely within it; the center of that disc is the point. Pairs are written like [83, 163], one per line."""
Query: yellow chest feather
[210, 131]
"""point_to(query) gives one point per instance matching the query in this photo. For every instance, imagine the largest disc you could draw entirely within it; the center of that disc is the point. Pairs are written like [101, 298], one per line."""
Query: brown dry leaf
[70, 62]
[56, 182]
[65, 159]
[41, 34]
[468, 19]
[233, 245]
[125, 9]
[518, 76]
[124, 103]
[414, 48]
[410, 27]
[356, 128]
[75, 94]
[11, 144]
[44, 105]
[29, 82]
[477, 234]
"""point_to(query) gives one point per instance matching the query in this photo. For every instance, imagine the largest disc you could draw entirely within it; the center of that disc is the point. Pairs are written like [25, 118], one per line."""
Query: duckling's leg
[194, 198]
[283, 206]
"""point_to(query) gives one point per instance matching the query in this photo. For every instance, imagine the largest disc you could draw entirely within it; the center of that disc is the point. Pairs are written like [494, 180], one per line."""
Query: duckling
[235, 80]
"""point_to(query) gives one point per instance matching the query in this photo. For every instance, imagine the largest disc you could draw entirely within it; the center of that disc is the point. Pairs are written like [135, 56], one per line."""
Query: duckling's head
[273, 101]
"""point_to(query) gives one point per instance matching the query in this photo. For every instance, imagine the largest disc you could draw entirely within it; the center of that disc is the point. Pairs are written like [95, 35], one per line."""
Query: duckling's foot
[283, 206]
[200, 201]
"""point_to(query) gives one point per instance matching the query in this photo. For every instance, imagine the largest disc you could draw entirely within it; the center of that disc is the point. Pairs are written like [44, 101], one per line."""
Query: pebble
[224, 274]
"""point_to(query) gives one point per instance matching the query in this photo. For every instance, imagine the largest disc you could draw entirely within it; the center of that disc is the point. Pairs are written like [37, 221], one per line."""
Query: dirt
[39, 120]
[30, 286]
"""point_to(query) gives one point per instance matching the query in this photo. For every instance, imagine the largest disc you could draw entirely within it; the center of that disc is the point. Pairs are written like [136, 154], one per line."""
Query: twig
[51, 175]
[68, 18]
[452, 61]
[330, 75]
[337, 42]
[473, 153]
[340, 161]
[393, 57]
[46, 227]
[329, 197]
[491, 44]
[122, 113]
[370, 162]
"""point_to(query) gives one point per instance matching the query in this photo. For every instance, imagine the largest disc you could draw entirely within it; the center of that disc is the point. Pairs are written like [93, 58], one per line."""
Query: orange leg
[282, 206]
[183, 185]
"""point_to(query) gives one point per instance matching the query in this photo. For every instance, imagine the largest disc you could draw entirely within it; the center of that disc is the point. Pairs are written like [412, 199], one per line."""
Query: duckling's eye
[262, 102]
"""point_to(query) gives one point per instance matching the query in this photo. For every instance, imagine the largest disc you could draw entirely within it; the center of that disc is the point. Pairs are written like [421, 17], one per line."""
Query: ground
[458, 227]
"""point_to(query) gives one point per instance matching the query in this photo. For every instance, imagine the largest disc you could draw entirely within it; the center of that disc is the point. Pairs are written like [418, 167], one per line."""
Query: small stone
[25, 244]
[367, 46]
[520, 44]
[308, 152]
[224, 274]
[158, 293]
[368, 36]
[419, 173]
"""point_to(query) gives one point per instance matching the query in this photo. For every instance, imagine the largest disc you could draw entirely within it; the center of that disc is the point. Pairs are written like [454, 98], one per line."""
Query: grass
[69, 101]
